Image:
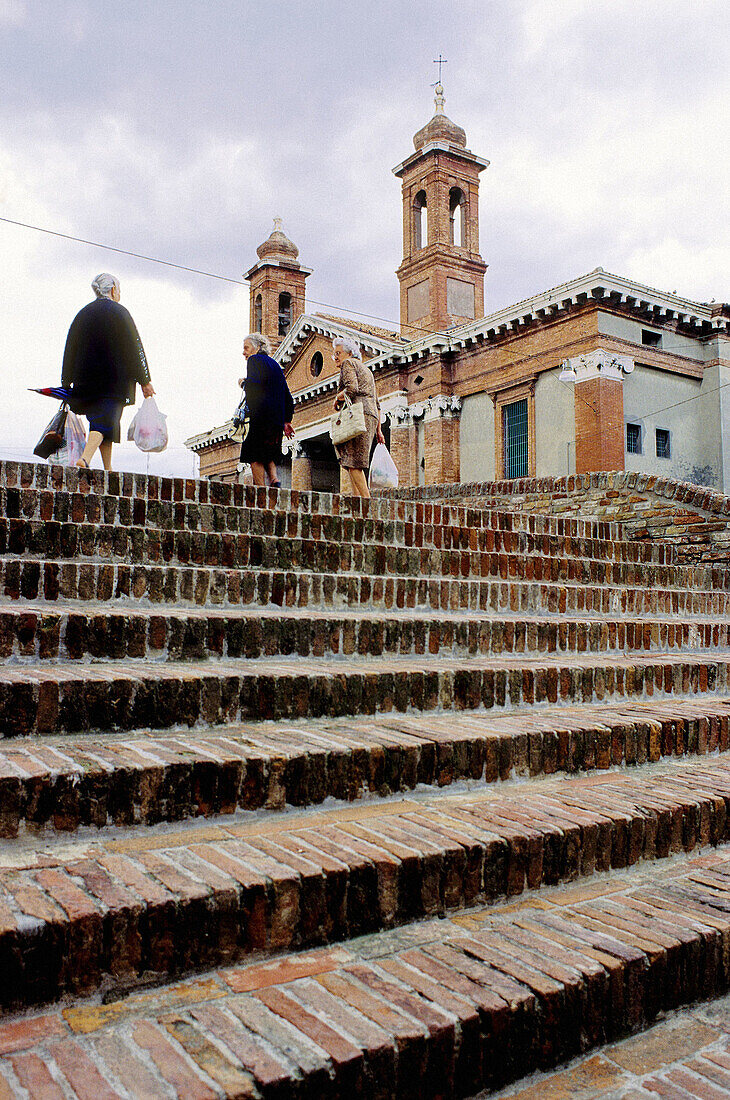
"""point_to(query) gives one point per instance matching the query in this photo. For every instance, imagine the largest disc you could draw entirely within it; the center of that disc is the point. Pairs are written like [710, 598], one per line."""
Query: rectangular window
[515, 435]
[663, 447]
[633, 439]
[651, 339]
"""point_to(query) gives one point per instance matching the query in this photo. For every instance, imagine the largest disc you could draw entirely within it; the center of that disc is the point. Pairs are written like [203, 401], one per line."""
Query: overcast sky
[179, 128]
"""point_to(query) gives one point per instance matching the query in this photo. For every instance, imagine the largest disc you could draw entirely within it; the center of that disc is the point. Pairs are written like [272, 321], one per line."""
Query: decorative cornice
[443, 406]
[596, 364]
[208, 439]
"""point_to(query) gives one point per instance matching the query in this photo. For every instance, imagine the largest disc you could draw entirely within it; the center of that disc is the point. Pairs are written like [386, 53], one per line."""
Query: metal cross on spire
[441, 61]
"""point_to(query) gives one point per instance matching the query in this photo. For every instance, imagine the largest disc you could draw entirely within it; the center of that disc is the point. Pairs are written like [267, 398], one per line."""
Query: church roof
[597, 286]
[374, 340]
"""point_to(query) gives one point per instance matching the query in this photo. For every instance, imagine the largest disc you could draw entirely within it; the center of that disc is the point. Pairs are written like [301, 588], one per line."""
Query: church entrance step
[66, 783]
[440, 1008]
[66, 697]
[51, 631]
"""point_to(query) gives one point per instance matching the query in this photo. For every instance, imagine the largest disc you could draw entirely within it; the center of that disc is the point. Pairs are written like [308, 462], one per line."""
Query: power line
[199, 271]
[313, 301]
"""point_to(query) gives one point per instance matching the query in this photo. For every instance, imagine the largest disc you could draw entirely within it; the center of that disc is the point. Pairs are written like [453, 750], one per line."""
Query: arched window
[316, 364]
[257, 314]
[284, 313]
[457, 206]
[420, 221]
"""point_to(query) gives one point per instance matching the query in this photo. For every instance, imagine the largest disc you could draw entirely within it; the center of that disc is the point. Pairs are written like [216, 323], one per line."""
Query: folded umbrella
[59, 392]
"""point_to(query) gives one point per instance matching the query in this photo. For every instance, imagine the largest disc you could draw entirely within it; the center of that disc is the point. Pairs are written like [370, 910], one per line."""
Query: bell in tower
[442, 273]
[277, 286]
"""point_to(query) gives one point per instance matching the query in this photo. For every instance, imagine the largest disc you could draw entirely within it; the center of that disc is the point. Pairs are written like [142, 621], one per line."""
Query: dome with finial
[277, 245]
[440, 128]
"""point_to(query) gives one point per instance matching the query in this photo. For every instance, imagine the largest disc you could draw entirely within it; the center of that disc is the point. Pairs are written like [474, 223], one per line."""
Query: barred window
[663, 445]
[633, 439]
[515, 432]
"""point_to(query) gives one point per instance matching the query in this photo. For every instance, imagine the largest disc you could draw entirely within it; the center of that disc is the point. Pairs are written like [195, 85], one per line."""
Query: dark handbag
[53, 437]
[241, 421]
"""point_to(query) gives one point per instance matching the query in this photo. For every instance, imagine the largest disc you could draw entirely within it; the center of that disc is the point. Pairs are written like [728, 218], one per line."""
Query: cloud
[12, 13]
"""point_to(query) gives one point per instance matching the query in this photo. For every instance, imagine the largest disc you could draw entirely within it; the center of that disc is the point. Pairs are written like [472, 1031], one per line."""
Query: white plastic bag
[383, 470]
[148, 429]
[74, 441]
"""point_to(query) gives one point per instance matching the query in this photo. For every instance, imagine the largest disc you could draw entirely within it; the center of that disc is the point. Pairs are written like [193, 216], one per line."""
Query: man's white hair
[104, 284]
[351, 346]
[259, 341]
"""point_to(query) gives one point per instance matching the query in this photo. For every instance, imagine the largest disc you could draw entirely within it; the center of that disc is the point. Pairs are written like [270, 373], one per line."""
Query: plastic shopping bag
[74, 442]
[383, 470]
[52, 439]
[148, 429]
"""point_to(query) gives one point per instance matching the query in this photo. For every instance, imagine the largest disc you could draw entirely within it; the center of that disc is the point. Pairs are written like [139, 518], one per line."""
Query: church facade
[600, 373]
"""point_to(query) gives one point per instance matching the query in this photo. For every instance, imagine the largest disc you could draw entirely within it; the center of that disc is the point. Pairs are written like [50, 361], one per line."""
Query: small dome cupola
[440, 128]
[277, 245]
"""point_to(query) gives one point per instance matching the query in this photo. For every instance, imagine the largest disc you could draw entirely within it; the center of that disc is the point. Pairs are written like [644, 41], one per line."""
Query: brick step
[53, 631]
[445, 1010]
[137, 545]
[64, 510]
[28, 489]
[153, 585]
[685, 1055]
[107, 696]
[62, 783]
[82, 915]
[50, 577]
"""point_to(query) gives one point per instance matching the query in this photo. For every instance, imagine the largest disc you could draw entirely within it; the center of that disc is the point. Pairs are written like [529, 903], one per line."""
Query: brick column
[599, 409]
[401, 445]
[441, 439]
[301, 468]
[402, 436]
[599, 425]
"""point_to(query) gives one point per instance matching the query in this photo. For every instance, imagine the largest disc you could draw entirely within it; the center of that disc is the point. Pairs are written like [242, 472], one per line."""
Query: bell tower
[277, 286]
[442, 274]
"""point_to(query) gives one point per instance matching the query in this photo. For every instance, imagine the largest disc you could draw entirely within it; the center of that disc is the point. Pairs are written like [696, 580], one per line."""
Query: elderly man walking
[102, 364]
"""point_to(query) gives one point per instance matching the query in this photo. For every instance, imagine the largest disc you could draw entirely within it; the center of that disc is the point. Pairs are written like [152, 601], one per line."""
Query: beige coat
[357, 381]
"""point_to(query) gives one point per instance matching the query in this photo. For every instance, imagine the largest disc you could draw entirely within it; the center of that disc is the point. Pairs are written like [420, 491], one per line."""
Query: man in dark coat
[102, 364]
[269, 408]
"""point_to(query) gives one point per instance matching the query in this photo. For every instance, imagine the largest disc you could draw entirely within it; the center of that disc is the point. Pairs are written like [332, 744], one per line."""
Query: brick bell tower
[277, 286]
[442, 274]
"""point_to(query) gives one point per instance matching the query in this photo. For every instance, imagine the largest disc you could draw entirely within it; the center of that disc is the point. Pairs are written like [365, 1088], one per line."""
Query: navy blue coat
[104, 358]
[269, 401]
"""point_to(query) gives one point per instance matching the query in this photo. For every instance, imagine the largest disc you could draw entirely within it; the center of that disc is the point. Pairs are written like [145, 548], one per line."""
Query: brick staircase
[303, 796]
[693, 519]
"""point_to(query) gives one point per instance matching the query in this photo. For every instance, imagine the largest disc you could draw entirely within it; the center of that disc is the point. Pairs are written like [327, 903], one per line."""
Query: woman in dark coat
[270, 409]
[102, 364]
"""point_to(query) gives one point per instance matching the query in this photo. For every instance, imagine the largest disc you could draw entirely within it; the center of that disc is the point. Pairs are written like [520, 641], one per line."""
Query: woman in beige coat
[357, 381]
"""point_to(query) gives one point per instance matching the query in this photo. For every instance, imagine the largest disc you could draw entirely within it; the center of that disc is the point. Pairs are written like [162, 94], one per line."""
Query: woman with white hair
[102, 364]
[269, 409]
[358, 383]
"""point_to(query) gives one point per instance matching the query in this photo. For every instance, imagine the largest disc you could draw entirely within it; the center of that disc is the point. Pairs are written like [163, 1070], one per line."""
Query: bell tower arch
[442, 273]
